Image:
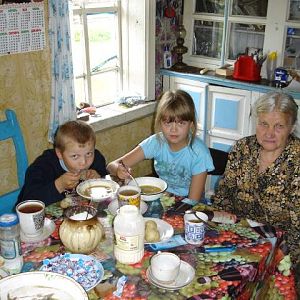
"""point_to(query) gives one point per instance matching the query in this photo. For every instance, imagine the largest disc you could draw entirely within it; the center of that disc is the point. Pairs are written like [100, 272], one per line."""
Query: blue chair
[10, 129]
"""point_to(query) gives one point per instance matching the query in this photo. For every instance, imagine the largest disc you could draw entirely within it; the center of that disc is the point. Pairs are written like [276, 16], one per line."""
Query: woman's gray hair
[276, 101]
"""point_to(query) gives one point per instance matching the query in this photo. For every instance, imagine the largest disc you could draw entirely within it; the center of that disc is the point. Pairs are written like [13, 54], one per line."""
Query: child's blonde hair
[78, 131]
[174, 106]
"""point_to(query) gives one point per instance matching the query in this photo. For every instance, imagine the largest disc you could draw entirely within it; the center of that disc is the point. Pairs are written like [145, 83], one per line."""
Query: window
[96, 37]
[112, 48]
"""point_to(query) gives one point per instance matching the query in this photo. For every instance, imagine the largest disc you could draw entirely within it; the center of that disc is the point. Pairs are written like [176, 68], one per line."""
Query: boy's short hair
[78, 131]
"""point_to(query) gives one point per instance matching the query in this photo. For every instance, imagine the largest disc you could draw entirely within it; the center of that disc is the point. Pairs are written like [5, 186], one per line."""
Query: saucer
[114, 206]
[49, 227]
[185, 276]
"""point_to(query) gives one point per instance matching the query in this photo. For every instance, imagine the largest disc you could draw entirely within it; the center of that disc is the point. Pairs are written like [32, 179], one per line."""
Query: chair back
[219, 158]
[10, 129]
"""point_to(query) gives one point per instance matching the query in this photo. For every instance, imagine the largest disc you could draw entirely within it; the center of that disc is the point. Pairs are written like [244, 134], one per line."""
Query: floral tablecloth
[253, 268]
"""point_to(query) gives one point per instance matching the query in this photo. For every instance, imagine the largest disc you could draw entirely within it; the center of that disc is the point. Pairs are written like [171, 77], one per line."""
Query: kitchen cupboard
[219, 30]
[223, 108]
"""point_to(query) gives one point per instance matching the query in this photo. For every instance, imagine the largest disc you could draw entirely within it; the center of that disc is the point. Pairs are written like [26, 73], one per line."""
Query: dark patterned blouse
[272, 196]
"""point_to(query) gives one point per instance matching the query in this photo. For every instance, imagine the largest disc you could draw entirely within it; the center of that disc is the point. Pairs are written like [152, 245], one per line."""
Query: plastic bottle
[10, 243]
[129, 228]
[167, 58]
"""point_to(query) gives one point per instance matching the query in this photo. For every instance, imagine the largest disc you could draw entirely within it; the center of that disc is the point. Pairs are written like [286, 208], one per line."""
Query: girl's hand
[91, 174]
[67, 181]
[122, 172]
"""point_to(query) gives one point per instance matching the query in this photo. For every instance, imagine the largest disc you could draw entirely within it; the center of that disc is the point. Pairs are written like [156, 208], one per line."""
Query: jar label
[10, 249]
[127, 243]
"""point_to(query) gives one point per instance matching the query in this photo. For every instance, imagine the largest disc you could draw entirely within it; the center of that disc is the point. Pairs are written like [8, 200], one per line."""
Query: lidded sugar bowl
[81, 232]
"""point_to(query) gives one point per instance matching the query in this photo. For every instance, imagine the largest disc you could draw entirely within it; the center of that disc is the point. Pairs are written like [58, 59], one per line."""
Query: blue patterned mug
[194, 227]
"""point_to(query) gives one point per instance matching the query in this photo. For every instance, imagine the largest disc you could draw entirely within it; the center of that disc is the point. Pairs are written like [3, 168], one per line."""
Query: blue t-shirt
[177, 168]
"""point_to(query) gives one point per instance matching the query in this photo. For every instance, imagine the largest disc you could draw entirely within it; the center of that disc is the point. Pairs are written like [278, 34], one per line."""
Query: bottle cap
[7, 220]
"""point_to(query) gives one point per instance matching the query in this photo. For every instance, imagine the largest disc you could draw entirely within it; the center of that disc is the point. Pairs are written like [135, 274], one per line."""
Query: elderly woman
[262, 176]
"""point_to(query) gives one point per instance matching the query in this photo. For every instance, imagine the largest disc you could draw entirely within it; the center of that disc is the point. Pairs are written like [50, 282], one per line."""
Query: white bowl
[154, 181]
[101, 189]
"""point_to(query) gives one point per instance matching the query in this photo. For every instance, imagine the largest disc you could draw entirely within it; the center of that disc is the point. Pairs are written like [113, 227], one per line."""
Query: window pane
[207, 38]
[255, 8]
[212, 7]
[105, 87]
[292, 49]
[102, 38]
[243, 36]
[78, 51]
[294, 10]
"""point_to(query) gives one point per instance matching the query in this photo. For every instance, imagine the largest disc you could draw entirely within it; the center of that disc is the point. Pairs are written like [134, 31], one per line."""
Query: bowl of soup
[152, 188]
[97, 189]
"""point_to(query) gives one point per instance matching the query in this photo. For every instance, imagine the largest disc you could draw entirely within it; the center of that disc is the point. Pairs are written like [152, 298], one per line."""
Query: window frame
[137, 49]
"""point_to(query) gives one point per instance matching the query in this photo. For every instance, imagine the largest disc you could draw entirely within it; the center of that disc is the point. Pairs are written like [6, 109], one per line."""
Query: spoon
[209, 224]
[122, 163]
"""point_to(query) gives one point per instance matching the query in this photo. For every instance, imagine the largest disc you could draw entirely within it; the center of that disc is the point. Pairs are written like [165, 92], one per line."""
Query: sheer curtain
[63, 106]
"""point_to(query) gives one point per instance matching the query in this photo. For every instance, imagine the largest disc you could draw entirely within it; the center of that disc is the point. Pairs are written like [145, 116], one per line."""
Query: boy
[60, 169]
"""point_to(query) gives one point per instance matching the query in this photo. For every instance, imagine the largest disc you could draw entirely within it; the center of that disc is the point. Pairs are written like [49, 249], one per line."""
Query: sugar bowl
[81, 232]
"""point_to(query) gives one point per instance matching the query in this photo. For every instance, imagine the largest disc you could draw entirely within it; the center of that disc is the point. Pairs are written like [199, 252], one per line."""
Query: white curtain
[63, 106]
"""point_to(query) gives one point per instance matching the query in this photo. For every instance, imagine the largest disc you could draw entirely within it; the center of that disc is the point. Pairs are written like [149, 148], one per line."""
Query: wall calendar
[22, 27]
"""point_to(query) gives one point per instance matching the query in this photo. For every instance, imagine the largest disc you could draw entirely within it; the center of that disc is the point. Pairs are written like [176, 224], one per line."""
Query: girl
[180, 157]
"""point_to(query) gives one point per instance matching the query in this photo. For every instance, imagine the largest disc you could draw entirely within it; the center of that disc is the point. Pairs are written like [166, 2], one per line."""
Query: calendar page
[22, 27]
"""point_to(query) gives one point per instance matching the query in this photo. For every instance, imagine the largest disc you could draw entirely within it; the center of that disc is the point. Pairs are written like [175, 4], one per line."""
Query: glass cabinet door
[244, 36]
[254, 8]
[207, 39]
[294, 11]
[210, 6]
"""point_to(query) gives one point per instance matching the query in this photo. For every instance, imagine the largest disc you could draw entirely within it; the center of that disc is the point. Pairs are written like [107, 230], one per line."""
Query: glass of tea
[129, 195]
[31, 215]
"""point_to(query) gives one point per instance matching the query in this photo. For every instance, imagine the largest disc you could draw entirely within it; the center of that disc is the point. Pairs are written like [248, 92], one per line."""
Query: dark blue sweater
[41, 174]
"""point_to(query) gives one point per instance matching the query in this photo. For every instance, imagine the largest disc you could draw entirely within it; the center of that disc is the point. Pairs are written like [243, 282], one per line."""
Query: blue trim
[222, 81]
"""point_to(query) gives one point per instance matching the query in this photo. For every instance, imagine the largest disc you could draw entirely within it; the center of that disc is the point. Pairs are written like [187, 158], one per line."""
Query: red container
[245, 68]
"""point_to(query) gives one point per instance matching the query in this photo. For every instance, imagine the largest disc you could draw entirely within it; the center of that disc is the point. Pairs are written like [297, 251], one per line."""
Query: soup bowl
[152, 188]
[97, 190]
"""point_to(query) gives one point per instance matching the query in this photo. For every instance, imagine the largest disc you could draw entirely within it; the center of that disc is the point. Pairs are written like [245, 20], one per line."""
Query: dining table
[239, 258]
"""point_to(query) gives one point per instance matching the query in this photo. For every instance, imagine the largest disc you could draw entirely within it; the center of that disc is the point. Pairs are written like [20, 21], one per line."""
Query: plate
[85, 269]
[49, 227]
[41, 285]
[165, 230]
[114, 205]
[185, 276]
[102, 189]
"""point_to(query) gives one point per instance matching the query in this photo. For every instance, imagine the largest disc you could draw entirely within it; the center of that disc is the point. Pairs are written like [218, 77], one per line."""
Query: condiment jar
[129, 230]
[10, 243]
[81, 232]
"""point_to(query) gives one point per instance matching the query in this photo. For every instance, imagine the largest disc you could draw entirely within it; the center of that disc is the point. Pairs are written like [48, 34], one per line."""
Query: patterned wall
[167, 13]
[25, 88]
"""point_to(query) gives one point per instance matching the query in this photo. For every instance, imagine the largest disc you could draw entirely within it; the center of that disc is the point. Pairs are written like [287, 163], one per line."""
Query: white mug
[194, 228]
[165, 267]
[31, 215]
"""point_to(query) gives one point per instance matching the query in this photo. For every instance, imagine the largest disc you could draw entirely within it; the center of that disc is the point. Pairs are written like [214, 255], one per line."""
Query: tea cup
[194, 227]
[129, 195]
[165, 266]
[31, 214]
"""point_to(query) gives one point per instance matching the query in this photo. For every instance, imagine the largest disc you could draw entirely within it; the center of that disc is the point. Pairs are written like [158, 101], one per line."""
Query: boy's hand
[67, 181]
[91, 174]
